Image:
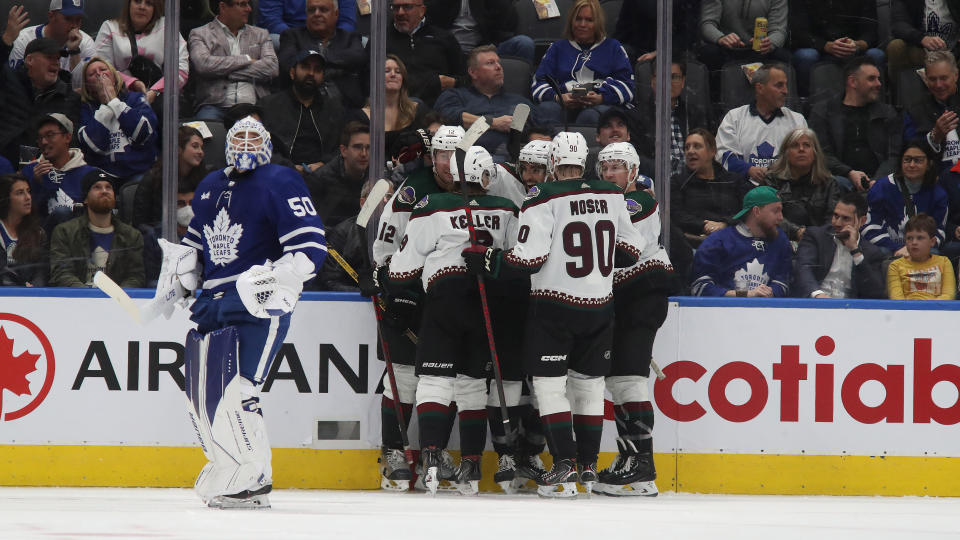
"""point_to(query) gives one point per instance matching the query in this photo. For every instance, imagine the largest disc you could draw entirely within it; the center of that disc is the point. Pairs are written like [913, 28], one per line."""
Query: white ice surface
[66, 513]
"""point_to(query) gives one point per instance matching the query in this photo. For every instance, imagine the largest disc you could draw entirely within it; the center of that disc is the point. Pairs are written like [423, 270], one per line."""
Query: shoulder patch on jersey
[633, 207]
[423, 202]
[205, 196]
[407, 195]
[532, 193]
[222, 239]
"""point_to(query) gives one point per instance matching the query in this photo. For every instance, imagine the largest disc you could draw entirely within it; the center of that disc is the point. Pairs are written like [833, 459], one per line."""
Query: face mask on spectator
[184, 215]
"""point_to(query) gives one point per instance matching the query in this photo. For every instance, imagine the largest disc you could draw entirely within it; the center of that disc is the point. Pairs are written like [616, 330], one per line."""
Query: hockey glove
[401, 312]
[483, 261]
[368, 283]
[623, 258]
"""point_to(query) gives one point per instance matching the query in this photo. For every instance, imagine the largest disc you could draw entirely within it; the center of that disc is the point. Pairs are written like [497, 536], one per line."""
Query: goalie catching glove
[273, 288]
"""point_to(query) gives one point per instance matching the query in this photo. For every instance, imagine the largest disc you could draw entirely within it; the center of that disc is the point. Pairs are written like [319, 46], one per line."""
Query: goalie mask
[615, 155]
[567, 148]
[478, 167]
[248, 145]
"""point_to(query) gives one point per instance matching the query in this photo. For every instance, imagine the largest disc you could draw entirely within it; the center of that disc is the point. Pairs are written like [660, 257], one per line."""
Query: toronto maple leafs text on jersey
[438, 232]
[249, 219]
[732, 259]
[746, 140]
[568, 234]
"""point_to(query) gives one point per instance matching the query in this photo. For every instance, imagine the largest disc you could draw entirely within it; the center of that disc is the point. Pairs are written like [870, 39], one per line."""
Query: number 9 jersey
[568, 234]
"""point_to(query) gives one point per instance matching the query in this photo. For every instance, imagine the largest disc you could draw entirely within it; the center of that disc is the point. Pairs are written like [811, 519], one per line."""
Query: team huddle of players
[576, 287]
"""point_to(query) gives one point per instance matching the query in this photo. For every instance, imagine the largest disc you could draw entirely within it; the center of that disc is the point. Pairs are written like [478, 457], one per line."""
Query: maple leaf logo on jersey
[752, 276]
[14, 369]
[205, 196]
[223, 238]
[62, 200]
[764, 156]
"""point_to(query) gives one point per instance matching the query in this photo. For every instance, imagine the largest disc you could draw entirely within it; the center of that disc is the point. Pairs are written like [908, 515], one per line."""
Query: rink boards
[760, 396]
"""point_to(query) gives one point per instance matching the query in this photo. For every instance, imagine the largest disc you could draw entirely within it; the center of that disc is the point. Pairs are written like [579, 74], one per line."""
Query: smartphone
[579, 91]
[843, 236]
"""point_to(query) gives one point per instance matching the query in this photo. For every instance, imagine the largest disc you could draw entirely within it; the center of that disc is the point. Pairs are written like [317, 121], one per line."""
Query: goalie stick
[141, 315]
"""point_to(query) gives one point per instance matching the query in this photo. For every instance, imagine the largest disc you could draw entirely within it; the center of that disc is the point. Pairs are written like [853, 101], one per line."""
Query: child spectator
[921, 275]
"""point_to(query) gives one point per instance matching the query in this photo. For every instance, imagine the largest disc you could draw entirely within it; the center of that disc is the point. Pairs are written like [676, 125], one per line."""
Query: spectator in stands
[96, 241]
[22, 239]
[484, 97]
[32, 91]
[194, 15]
[860, 135]
[118, 129]
[336, 186]
[933, 115]
[56, 177]
[140, 23]
[346, 58]
[913, 188]
[726, 27]
[592, 70]
[402, 113]
[749, 135]
[803, 183]
[233, 62]
[63, 27]
[614, 126]
[704, 195]
[834, 31]
[148, 201]
[751, 259]
[832, 262]
[637, 28]
[683, 118]
[432, 56]
[919, 28]
[950, 182]
[278, 16]
[305, 118]
[476, 22]
[921, 275]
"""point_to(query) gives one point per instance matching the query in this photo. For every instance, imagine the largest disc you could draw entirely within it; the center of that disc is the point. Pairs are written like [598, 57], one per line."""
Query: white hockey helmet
[478, 167]
[537, 152]
[248, 145]
[567, 148]
[619, 151]
[446, 138]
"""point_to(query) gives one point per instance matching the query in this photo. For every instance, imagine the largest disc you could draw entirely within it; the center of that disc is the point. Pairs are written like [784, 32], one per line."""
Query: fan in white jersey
[569, 235]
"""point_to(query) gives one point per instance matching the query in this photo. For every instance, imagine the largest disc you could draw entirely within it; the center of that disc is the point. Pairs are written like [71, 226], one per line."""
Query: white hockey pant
[406, 383]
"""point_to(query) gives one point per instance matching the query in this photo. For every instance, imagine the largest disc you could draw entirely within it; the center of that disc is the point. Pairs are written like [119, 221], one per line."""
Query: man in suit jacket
[832, 262]
[233, 62]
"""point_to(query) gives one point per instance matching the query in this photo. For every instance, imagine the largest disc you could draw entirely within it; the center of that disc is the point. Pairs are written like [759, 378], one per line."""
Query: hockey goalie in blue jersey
[260, 239]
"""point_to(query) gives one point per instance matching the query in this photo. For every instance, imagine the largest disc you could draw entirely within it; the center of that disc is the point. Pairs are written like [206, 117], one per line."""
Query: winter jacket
[114, 45]
[643, 129]
[921, 115]
[829, 121]
[815, 257]
[805, 204]
[496, 19]
[335, 196]
[815, 22]
[605, 63]
[59, 187]
[280, 15]
[347, 62]
[346, 237]
[70, 255]
[214, 67]
[721, 17]
[888, 212]
[428, 53]
[120, 137]
[286, 113]
[907, 20]
[694, 200]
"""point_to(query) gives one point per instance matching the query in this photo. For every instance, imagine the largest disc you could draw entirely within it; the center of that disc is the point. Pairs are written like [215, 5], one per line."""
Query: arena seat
[736, 91]
[125, 199]
[517, 74]
[545, 32]
[910, 86]
[826, 83]
[611, 12]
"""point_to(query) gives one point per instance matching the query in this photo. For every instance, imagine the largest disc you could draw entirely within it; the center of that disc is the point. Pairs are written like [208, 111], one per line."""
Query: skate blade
[394, 485]
[508, 486]
[257, 502]
[564, 490]
[636, 489]
[470, 487]
[430, 480]
[588, 488]
[525, 485]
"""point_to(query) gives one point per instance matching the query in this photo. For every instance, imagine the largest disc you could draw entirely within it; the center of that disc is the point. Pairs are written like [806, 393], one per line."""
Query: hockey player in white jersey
[513, 181]
[402, 312]
[640, 303]
[571, 234]
[452, 360]
[260, 238]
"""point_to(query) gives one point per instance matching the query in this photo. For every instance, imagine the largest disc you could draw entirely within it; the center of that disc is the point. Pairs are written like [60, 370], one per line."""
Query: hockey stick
[555, 86]
[519, 120]
[470, 137]
[141, 315]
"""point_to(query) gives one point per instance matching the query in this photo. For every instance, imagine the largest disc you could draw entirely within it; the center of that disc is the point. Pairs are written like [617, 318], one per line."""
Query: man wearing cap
[56, 177]
[751, 259]
[305, 117]
[344, 52]
[233, 62]
[96, 241]
[63, 27]
[614, 126]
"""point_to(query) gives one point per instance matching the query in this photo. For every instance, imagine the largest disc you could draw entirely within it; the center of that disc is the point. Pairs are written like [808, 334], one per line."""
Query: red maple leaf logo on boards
[14, 369]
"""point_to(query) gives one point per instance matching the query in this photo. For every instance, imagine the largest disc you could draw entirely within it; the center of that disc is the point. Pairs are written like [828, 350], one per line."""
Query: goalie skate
[245, 500]
[560, 482]
[468, 476]
[395, 474]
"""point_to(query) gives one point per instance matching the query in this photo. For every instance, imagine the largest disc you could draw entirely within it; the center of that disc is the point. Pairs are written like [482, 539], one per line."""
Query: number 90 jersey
[568, 234]
[242, 221]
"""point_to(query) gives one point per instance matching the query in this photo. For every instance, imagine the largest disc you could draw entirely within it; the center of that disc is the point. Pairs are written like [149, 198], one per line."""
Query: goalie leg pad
[260, 339]
[194, 362]
[407, 381]
[585, 394]
[511, 393]
[628, 388]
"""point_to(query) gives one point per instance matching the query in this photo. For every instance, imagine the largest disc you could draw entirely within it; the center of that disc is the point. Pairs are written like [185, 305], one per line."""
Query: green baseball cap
[758, 196]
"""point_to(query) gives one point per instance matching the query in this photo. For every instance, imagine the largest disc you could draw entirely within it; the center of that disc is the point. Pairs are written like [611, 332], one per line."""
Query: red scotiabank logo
[14, 369]
[789, 372]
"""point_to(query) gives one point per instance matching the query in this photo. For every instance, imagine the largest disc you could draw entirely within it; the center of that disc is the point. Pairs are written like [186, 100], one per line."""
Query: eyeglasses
[919, 160]
[49, 135]
[404, 7]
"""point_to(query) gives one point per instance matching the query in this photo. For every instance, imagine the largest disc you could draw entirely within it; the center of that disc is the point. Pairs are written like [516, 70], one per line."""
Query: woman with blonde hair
[804, 183]
[592, 70]
[402, 113]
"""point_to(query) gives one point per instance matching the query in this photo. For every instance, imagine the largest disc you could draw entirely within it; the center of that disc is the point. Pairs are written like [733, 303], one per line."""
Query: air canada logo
[26, 366]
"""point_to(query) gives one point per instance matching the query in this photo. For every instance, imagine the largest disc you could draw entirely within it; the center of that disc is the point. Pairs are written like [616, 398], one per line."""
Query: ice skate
[431, 461]
[395, 474]
[506, 475]
[447, 478]
[245, 500]
[588, 476]
[635, 479]
[468, 476]
[604, 476]
[529, 468]
[560, 482]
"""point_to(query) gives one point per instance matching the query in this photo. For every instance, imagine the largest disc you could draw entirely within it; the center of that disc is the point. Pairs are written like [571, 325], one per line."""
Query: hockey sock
[559, 435]
[450, 418]
[620, 419]
[389, 425]
[639, 424]
[473, 432]
[434, 424]
[499, 434]
[588, 429]
[533, 437]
